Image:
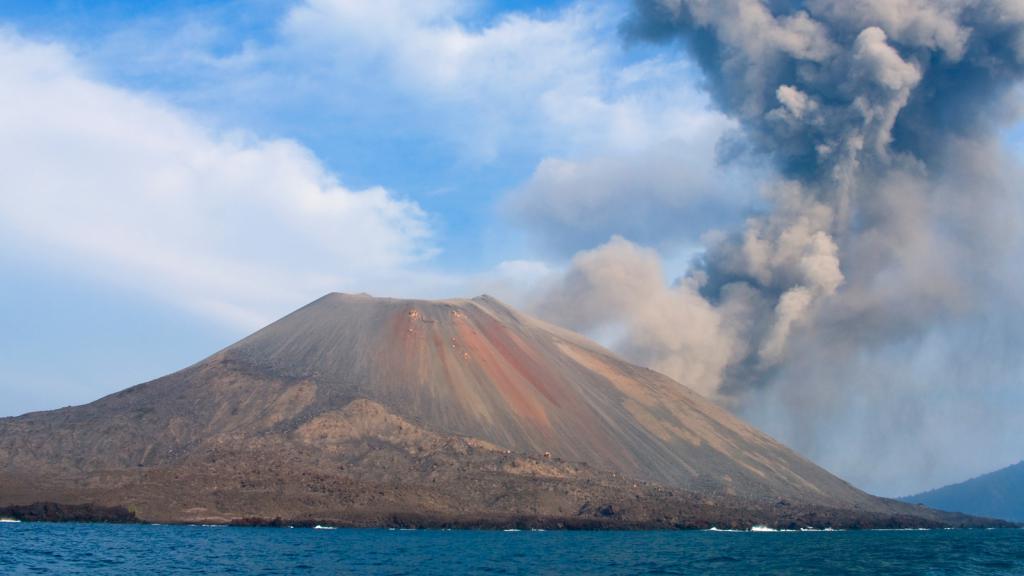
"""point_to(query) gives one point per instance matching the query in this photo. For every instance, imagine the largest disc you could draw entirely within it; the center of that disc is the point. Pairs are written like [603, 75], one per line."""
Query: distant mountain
[375, 411]
[998, 494]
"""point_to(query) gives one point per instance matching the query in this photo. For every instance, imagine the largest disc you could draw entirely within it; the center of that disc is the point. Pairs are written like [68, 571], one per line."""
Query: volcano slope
[363, 411]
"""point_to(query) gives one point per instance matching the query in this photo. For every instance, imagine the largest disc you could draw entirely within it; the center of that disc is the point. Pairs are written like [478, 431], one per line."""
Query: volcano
[365, 411]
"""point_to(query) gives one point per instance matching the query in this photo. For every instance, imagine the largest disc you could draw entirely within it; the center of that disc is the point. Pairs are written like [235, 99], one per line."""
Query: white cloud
[243, 228]
[558, 84]
[623, 141]
[625, 144]
[129, 189]
[483, 88]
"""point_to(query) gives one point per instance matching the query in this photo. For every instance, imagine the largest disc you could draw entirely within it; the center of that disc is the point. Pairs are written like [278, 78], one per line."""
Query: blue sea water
[146, 549]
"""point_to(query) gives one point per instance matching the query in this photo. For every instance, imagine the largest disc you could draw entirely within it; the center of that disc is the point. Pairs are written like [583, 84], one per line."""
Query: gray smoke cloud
[869, 317]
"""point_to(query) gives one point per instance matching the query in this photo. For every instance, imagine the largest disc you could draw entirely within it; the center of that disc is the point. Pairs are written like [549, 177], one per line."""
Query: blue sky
[454, 116]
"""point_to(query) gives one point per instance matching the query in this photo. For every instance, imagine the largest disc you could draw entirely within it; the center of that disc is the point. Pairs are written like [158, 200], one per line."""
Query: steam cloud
[870, 317]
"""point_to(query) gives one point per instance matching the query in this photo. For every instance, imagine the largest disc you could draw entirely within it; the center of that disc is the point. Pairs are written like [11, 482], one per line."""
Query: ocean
[43, 548]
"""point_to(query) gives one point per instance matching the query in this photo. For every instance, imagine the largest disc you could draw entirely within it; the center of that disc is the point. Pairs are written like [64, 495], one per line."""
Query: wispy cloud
[125, 187]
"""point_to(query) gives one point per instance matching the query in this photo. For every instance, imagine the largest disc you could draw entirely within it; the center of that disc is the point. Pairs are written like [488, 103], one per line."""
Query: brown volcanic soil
[362, 411]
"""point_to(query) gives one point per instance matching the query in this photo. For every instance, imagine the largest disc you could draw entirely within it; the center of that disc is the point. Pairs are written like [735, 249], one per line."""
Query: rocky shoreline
[810, 520]
[56, 512]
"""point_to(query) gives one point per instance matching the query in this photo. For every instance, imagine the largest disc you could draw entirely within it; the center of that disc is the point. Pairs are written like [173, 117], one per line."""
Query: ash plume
[859, 300]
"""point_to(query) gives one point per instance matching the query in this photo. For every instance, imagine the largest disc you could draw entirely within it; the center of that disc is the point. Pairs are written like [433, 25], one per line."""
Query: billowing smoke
[871, 317]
